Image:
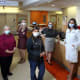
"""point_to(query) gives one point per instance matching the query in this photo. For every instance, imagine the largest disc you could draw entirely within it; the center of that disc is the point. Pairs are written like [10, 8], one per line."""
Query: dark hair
[75, 23]
[34, 23]
[49, 22]
[35, 28]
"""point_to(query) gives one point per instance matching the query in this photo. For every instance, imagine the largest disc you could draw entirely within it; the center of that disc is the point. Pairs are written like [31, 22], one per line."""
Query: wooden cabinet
[41, 17]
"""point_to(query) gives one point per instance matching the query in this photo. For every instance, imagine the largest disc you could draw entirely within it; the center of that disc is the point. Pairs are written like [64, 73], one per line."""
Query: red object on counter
[79, 27]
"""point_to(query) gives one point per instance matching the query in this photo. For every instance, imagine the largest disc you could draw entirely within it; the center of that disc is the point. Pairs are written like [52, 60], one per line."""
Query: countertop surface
[62, 43]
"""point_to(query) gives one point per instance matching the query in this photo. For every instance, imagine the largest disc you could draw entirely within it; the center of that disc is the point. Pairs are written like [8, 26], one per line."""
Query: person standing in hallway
[50, 36]
[22, 31]
[7, 48]
[35, 54]
[72, 42]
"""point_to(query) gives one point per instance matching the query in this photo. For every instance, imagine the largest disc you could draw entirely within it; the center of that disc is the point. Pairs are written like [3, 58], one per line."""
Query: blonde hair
[6, 27]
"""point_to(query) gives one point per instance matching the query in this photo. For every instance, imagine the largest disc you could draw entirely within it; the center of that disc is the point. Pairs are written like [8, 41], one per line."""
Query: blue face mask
[7, 32]
[50, 26]
[34, 23]
[71, 25]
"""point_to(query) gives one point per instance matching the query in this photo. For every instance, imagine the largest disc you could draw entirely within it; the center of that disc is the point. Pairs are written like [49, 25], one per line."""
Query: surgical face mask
[50, 26]
[36, 34]
[7, 31]
[23, 24]
[71, 25]
[34, 23]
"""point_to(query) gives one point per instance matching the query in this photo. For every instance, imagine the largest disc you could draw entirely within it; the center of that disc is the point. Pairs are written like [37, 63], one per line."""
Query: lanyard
[40, 43]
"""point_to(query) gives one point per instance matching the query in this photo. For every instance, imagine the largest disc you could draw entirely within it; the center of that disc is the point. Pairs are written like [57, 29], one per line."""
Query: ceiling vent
[8, 3]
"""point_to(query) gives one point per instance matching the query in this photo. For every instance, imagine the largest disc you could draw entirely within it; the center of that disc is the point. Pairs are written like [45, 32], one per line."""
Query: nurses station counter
[59, 56]
[59, 53]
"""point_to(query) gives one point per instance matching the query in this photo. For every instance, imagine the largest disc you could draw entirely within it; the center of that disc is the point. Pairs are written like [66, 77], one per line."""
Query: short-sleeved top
[50, 33]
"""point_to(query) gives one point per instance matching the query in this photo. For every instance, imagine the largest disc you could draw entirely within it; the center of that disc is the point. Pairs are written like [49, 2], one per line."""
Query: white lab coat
[72, 38]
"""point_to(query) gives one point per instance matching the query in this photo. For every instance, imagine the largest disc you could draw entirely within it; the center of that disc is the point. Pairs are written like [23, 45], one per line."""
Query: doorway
[53, 19]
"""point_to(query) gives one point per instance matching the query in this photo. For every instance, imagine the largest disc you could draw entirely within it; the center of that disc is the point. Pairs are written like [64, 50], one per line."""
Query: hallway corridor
[22, 71]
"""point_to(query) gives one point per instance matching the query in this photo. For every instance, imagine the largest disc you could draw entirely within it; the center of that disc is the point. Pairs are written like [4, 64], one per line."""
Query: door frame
[55, 25]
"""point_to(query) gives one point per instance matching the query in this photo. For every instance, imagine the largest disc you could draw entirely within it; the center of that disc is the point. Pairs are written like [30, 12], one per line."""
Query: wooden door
[2, 22]
[53, 19]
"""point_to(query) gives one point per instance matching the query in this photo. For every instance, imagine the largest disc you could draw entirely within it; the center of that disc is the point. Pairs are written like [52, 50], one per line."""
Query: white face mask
[50, 26]
[23, 24]
[71, 25]
[36, 34]
[7, 31]
[34, 23]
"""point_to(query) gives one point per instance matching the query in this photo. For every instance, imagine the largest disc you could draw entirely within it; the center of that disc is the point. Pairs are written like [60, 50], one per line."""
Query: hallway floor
[58, 71]
[22, 71]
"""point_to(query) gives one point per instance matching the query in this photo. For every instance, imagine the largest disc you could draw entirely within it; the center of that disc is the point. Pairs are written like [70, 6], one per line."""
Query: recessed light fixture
[8, 3]
[53, 5]
[59, 12]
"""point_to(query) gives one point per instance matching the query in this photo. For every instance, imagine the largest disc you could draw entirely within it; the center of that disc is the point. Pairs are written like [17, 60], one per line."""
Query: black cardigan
[35, 47]
[50, 33]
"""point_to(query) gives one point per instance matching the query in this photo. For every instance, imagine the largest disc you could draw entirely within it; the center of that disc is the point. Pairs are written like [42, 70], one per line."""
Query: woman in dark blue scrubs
[35, 53]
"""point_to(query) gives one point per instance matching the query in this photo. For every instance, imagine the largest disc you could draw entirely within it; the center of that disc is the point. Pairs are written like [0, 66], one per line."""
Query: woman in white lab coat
[72, 42]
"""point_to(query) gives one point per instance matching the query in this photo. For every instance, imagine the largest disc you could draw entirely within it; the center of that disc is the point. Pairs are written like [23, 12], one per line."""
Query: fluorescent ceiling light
[9, 10]
[53, 5]
[59, 12]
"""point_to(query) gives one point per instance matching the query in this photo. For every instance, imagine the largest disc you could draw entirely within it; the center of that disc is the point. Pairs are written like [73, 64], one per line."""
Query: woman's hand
[43, 35]
[42, 54]
[73, 45]
[8, 51]
[23, 33]
[64, 42]
[58, 37]
[14, 49]
[58, 41]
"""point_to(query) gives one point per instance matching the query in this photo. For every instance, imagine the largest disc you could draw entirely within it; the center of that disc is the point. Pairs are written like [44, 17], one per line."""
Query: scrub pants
[41, 67]
[5, 63]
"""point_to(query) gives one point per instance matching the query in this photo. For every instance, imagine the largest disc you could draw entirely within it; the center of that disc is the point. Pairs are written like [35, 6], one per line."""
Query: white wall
[72, 12]
[78, 15]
